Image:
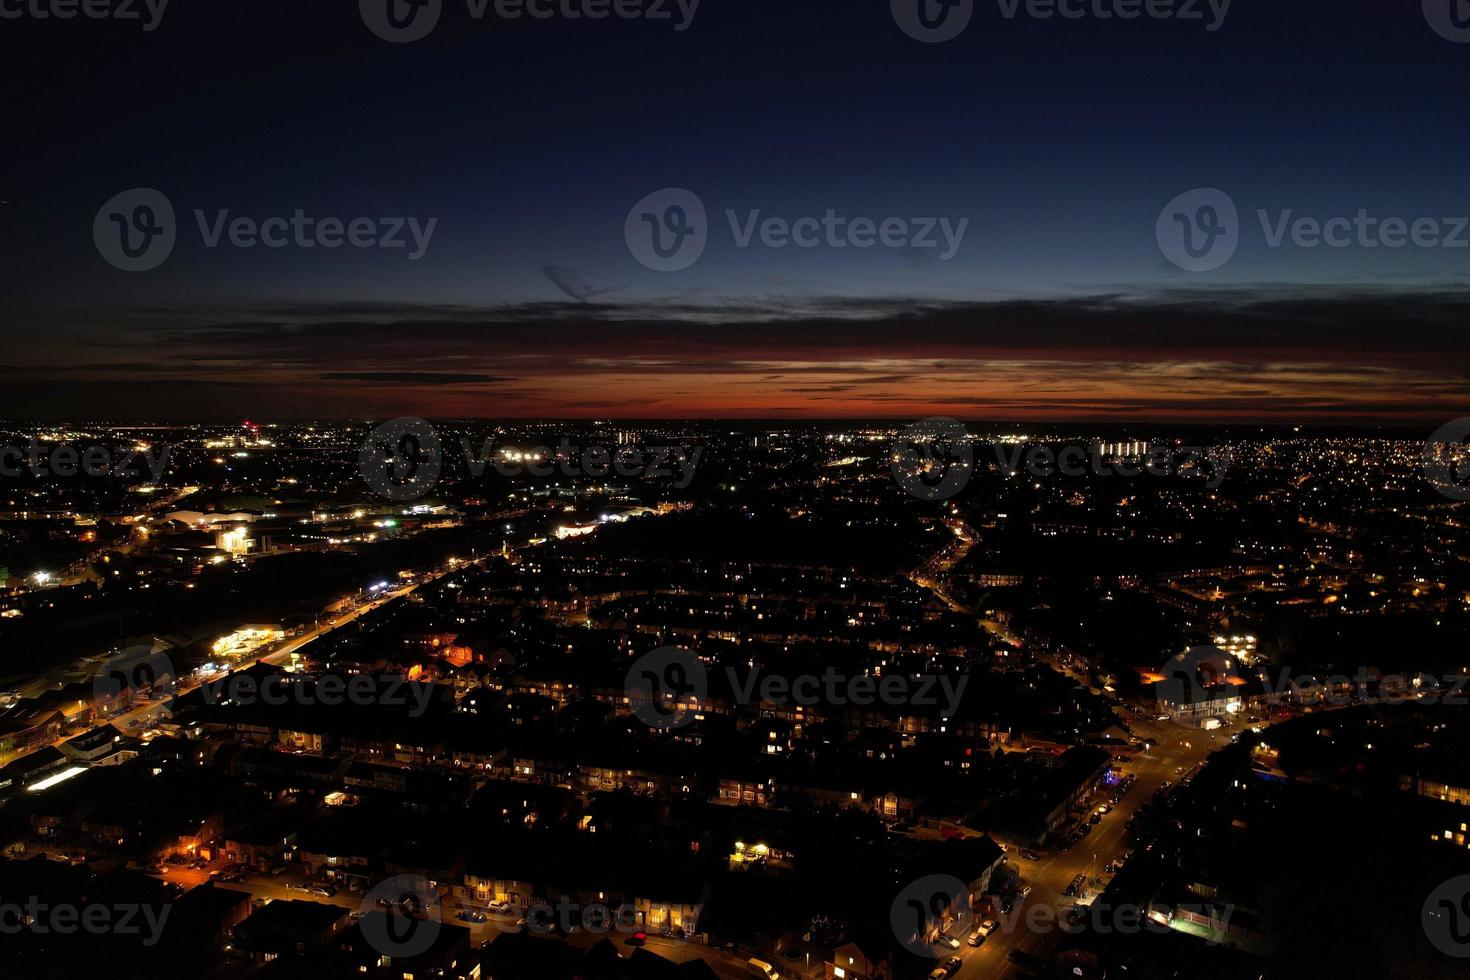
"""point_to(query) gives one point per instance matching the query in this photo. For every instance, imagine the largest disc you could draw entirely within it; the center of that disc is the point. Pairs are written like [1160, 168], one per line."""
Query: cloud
[1267, 351]
[410, 377]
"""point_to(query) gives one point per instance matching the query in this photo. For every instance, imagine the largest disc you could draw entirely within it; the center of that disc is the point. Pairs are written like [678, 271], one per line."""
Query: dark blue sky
[1059, 140]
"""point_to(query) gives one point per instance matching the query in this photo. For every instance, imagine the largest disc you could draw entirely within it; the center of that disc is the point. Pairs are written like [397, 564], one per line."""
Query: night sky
[530, 141]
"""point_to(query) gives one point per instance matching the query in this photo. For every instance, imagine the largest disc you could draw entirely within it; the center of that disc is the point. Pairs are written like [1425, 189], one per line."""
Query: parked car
[320, 891]
[1104, 808]
[501, 908]
[950, 941]
[1075, 888]
[760, 968]
[1029, 854]
[468, 915]
[977, 938]
[987, 926]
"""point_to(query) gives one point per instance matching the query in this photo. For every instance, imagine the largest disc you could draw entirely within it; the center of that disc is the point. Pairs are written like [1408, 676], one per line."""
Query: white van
[760, 968]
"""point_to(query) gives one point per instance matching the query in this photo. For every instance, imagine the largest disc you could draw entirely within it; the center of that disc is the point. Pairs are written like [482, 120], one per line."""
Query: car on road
[1021, 956]
[977, 938]
[760, 968]
[1095, 819]
[1021, 892]
[637, 939]
[1029, 854]
[1178, 770]
[949, 941]
[1075, 888]
[320, 891]
[500, 908]
[948, 968]
[468, 915]
[987, 926]
[1104, 809]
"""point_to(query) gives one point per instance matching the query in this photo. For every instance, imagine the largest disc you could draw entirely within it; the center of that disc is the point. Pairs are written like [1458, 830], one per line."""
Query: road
[930, 574]
[1178, 747]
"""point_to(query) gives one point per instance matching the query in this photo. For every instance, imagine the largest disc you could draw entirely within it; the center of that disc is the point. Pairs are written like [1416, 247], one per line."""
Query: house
[860, 959]
[290, 927]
